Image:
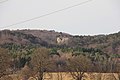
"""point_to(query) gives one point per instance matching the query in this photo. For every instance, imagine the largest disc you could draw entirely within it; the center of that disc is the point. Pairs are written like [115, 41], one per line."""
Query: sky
[91, 18]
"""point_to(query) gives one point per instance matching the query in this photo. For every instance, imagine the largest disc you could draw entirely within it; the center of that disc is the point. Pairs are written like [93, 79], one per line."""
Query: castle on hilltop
[62, 40]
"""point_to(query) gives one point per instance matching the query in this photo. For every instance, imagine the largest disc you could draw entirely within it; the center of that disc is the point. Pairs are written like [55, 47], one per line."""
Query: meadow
[67, 76]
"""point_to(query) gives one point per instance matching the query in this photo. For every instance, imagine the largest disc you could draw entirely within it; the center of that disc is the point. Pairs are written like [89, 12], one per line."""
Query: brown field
[67, 76]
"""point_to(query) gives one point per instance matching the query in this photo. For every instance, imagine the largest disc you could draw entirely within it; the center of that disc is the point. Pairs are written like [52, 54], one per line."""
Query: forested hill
[107, 43]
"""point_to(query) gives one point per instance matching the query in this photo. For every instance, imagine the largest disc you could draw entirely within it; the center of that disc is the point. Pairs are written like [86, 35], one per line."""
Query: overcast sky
[94, 17]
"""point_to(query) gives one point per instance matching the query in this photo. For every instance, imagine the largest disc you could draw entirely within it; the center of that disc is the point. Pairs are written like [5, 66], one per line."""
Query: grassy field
[67, 76]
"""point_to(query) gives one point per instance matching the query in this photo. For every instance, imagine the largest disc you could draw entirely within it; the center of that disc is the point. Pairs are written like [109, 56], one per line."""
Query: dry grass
[67, 76]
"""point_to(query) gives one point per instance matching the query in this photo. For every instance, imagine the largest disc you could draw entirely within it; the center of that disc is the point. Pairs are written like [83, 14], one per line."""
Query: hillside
[107, 43]
[26, 53]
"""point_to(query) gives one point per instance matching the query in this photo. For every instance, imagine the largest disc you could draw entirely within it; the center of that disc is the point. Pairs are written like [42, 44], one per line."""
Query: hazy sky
[94, 17]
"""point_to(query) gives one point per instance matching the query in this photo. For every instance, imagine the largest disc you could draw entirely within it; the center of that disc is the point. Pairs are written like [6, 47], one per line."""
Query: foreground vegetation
[35, 61]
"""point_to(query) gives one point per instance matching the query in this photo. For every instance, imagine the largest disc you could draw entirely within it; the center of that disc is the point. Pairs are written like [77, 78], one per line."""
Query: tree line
[35, 61]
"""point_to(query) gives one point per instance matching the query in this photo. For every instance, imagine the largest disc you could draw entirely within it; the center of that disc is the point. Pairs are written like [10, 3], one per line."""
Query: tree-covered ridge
[107, 43]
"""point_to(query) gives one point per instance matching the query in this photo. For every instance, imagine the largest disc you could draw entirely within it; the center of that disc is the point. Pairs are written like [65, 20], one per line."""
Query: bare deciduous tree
[78, 66]
[5, 61]
[40, 61]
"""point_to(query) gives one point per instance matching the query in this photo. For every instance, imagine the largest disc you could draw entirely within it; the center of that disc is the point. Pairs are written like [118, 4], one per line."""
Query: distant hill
[107, 43]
